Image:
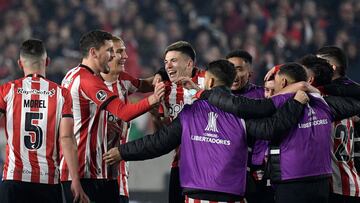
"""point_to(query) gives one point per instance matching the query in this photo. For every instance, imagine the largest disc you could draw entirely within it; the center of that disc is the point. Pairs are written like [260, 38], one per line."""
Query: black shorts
[175, 190]
[336, 198]
[124, 199]
[98, 190]
[309, 191]
[17, 191]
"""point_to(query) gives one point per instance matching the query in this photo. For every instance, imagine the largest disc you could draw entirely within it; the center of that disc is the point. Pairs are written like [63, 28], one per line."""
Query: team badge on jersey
[101, 95]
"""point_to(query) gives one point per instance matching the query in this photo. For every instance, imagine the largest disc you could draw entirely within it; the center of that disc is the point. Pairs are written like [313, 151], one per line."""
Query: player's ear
[190, 64]
[211, 82]
[47, 61]
[284, 82]
[92, 52]
[310, 80]
[20, 64]
[250, 74]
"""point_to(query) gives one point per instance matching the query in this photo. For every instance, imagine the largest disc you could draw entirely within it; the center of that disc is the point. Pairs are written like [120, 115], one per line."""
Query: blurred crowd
[272, 31]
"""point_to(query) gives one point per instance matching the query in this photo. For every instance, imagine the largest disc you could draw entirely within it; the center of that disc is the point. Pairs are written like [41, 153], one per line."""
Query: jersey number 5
[36, 142]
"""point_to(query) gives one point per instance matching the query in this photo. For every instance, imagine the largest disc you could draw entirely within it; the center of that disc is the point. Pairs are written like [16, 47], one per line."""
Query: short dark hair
[223, 70]
[322, 70]
[336, 54]
[95, 38]
[32, 48]
[295, 71]
[240, 54]
[183, 47]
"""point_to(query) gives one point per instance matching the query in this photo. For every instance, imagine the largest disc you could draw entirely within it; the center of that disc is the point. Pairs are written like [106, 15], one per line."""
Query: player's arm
[149, 146]
[302, 85]
[69, 148]
[96, 90]
[239, 105]
[4, 89]
[343, 107]
[129, 111]
[286, 117]
[344, 90]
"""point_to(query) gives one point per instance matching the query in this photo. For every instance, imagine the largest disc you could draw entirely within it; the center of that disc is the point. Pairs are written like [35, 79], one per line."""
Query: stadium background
[272, 31]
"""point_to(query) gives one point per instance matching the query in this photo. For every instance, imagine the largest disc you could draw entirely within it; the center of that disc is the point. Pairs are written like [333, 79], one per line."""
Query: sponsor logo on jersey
[101, 95]
[174, 109]
[38, 92]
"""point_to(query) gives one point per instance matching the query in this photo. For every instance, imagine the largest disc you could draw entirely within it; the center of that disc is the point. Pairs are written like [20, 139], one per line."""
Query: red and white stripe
[345, 178]
[190, 200]
[176, 96]
[123, 87]
[39, 165]
[89, 123]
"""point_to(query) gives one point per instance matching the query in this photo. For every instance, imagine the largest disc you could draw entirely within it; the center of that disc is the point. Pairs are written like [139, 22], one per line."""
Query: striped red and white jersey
[345, 177]
[123, 87]
[33, 107]
[191, 200]
[176, 96]
[89, 96]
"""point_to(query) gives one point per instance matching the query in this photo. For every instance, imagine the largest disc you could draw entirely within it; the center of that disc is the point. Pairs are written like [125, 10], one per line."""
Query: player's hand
[113, 127]
[157, 78]
[187, 83]
[158, 95]
[112, 156]
[78, 192]
[271, 72]
[301, 97]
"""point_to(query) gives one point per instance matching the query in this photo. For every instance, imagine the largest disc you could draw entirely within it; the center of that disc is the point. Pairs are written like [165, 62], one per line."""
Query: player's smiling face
[118, 63]
[177, 65]
[242, 73]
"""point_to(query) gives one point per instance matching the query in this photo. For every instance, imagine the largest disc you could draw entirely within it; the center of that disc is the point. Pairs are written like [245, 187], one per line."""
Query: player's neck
[34, 72]
[91, 64]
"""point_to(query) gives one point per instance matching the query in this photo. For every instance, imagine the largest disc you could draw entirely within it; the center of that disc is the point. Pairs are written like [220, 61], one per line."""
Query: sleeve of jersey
[4, 89]
[276, 126]
[129, 111]
[343, 107]
[67, 108]
[96, 90]
[241, 106]
[152, 146]
[133, 84]
[345, 90]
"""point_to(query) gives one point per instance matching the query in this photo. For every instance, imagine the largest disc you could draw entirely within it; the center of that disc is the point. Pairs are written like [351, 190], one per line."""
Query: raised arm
[343, 107]
[279, 123]
[344, 90]
[241, 106]
[149, 146]
[127, 112]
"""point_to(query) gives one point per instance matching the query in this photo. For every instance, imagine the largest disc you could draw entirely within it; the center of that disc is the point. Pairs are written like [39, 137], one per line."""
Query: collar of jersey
[35, 75]
[87, 68]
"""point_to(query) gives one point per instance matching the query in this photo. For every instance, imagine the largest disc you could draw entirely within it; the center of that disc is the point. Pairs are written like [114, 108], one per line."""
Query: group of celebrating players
[294, 140]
